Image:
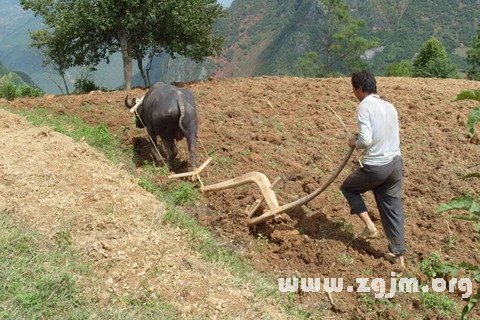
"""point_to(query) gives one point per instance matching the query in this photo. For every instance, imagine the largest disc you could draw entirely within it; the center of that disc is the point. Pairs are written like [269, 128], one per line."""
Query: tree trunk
[64, 82]
[150, 61]
[127, 64]
[142, 72]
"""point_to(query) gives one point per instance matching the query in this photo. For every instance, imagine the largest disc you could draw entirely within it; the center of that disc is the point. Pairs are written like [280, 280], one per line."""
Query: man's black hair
[364, 81]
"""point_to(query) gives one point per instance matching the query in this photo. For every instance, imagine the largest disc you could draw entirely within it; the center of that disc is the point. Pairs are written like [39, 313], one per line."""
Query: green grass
[222, 162]
[381, 308]
[433, 266]
[440, 303]
[345, 259]
[98, 137]
[40, 279]
[182, 194]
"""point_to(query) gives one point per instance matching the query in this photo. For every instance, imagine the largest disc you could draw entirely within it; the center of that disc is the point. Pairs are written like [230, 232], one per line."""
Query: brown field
[284, 127]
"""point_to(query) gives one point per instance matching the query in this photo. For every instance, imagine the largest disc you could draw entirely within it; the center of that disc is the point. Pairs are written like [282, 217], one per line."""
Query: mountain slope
[272, 35]
[403, 26]
[18, 77]
[266, 37]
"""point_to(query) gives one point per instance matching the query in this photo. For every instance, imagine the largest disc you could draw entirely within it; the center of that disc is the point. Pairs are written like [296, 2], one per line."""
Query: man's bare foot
[369, 234]
[397, 261]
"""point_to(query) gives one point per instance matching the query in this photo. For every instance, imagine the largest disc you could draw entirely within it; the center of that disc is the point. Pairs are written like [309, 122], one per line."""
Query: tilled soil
[72, 194]
[285, 127]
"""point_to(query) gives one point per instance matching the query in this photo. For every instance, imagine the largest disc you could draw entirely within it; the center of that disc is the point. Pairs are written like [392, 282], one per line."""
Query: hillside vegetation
[18, 78]
[266, 37]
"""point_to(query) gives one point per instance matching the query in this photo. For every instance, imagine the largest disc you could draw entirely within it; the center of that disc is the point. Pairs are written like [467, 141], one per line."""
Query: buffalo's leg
[191, 142]
[191, 135]
[171, 149]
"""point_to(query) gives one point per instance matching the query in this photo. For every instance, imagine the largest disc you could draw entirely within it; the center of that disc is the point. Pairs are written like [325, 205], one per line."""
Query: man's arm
[364, 138]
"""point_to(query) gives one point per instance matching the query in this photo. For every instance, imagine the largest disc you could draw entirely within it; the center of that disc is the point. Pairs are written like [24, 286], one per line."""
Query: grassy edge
[43, 277]
[200, 238]
[39, 277]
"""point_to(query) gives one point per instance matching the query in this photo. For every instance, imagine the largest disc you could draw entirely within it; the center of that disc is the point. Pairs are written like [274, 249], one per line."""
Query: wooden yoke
[195, 174]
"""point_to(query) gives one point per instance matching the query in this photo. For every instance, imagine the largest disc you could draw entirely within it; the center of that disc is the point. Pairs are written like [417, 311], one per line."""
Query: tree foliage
[341, 43]
[83, 32]
[399, 69]
[432, 61]
[473, 58]
[309, 65]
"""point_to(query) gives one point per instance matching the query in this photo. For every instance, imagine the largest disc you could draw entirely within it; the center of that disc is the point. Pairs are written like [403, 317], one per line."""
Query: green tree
[51, 44]
[309, 65]
[342, 46]
[87, 31]
[399, 69]
[473, 58]
[433, 62]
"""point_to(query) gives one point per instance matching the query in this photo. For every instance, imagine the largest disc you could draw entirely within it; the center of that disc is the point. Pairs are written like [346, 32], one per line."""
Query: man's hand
[352, 141]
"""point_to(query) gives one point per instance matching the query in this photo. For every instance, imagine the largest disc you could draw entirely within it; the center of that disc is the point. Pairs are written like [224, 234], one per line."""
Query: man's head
[363, 84]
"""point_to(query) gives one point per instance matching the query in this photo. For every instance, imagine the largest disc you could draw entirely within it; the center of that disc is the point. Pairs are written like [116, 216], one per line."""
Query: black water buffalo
[168, 112]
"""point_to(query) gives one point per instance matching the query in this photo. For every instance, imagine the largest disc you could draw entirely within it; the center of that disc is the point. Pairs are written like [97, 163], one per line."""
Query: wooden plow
[268, 194]
[260, 179]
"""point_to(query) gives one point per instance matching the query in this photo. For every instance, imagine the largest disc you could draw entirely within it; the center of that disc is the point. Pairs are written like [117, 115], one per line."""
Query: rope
[153, 142]
[204, 150]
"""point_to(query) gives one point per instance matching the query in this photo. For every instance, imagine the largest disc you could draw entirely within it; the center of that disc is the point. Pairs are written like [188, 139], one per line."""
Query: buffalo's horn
[129, 103]
[138, 104]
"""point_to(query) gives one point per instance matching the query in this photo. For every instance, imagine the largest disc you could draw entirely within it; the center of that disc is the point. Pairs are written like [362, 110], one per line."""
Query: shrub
[27, 91]
[403, 68]
[434, 267]
[84, 85]
[433, 62]
[9, 90]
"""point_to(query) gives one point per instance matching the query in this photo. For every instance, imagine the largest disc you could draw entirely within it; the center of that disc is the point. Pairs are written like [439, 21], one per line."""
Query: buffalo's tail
[181, 106]
[191, 140]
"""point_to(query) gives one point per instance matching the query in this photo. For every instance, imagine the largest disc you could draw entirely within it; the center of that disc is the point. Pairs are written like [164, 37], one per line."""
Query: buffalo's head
[135, 105]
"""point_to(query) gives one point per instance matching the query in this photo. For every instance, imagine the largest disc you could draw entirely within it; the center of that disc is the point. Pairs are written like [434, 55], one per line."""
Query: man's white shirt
[378, 129]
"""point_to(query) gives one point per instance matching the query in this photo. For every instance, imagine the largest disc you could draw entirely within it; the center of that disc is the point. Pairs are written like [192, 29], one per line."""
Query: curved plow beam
[252, 177]
[268, 194]
[300, 202]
